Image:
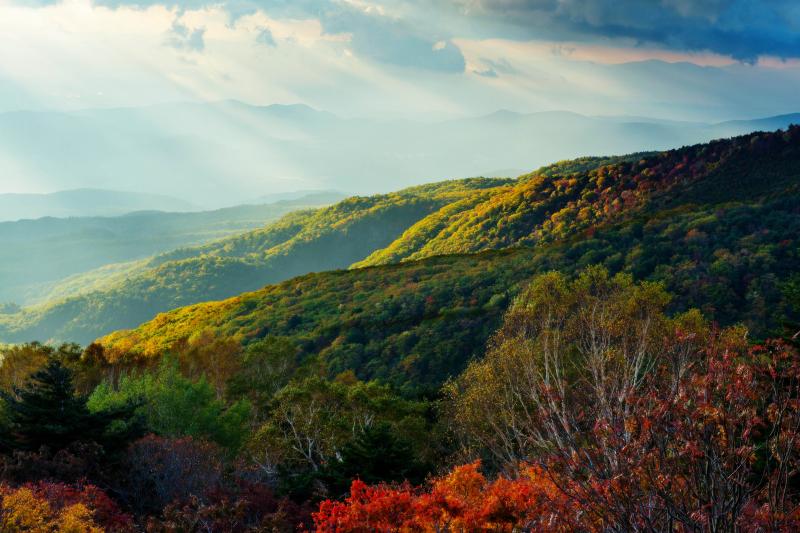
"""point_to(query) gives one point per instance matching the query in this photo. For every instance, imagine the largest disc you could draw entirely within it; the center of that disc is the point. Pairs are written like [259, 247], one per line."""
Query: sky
[421, 59]
[397, 63]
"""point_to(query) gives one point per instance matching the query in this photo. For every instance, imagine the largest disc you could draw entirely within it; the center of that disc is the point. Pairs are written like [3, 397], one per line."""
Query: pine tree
[376, 455]
[47, 413]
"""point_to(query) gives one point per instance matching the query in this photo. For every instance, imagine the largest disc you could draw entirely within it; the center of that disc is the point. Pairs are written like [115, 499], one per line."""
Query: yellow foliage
[77, 518]
[23, 511]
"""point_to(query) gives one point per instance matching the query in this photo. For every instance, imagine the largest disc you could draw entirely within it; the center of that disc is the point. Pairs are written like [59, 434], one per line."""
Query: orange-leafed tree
[463, 500]
[45, 507]
[598, 412]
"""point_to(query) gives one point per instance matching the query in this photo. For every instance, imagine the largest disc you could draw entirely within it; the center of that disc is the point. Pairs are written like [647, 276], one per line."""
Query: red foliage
[712, 446]
[463, 500]
[104, 510]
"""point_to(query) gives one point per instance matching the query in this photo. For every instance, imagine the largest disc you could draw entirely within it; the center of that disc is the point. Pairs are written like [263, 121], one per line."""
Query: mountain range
[51, 257]
[716, 224]
[443, 259]
[228, 152]
[85, 203]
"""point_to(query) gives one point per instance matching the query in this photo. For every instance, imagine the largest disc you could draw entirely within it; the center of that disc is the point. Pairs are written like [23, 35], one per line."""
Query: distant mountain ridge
[302, 241]
[85, 203]
[36, 256]
[567, 202]
[227, 153]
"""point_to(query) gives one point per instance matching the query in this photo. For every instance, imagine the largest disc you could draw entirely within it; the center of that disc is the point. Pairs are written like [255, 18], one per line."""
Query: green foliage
[46, 412]
[312, 421]
[304, 241]
[37, 255]
[417, 323]
[175, 406]
[571, 198]
[379, 454]
[565, 203]
[266, 367]
[560, 335]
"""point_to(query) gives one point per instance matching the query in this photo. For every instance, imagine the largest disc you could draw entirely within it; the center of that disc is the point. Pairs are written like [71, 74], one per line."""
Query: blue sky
[676, 59]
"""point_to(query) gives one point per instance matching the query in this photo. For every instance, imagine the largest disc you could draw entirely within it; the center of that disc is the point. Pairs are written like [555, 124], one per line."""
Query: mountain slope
[416, 323]
[567, 200]
[729, 251]
[36, 255]
[85, 203]
[312, 240]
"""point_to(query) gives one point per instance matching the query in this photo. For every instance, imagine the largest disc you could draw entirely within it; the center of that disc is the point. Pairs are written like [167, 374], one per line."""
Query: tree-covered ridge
[561, 203]
[638, 373]
[37, 256]
[311, 240]
[416, 323]
[569, 198]
[733, 260]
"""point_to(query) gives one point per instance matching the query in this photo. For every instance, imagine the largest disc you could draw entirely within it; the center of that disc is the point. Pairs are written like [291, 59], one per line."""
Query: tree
[47, 413]
[266, 367]
[718, 452]
[17, 363]
[165, 470]
[569, 353]
[45, 507]
[641, 422]
[172, 405]
[375, 455]
[245, 508]
[216, 359]
[312, 421]
[462, 500]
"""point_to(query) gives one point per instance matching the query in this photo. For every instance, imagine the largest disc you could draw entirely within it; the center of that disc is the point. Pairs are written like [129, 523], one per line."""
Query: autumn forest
[606, 344]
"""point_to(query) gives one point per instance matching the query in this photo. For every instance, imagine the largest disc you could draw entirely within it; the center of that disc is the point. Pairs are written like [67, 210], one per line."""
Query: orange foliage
[46, 507]
[463, 500]
[714, 447]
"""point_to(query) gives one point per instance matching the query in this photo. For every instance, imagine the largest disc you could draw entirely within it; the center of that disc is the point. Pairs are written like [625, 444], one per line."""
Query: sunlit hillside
[730, 252]
[301, 242]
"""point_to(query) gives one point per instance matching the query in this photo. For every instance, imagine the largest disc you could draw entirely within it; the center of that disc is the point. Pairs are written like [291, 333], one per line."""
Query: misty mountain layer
[229, 152]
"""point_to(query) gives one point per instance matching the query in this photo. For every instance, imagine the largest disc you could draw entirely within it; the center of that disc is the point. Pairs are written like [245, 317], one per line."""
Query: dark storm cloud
[743, 29]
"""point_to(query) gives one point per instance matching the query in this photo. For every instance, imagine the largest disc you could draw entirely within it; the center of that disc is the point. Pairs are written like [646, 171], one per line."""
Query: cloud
[265, 37]
[742, 29]
[378, 32]
[403, 32]
[374, 58]
[488, 73]
[182, 38]
[382, 37]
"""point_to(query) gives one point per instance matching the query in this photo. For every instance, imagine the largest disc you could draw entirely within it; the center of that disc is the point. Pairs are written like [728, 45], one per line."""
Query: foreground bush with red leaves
[710, 446]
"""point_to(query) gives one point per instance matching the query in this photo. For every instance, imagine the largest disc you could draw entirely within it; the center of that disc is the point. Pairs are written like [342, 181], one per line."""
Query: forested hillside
[610, 332]
[569, 199]
[564, 205]
[417, 323]
[304, 241]
[732, 253]
[37, 255]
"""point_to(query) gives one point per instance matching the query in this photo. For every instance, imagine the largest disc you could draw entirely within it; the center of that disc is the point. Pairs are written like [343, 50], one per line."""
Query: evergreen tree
[376, 455]
[47, 413]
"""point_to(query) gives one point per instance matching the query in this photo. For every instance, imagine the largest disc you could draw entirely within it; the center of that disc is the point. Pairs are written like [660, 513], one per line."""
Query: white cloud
[77, 54]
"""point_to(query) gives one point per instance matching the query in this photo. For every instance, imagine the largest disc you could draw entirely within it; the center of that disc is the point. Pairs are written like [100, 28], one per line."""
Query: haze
[178, 98]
